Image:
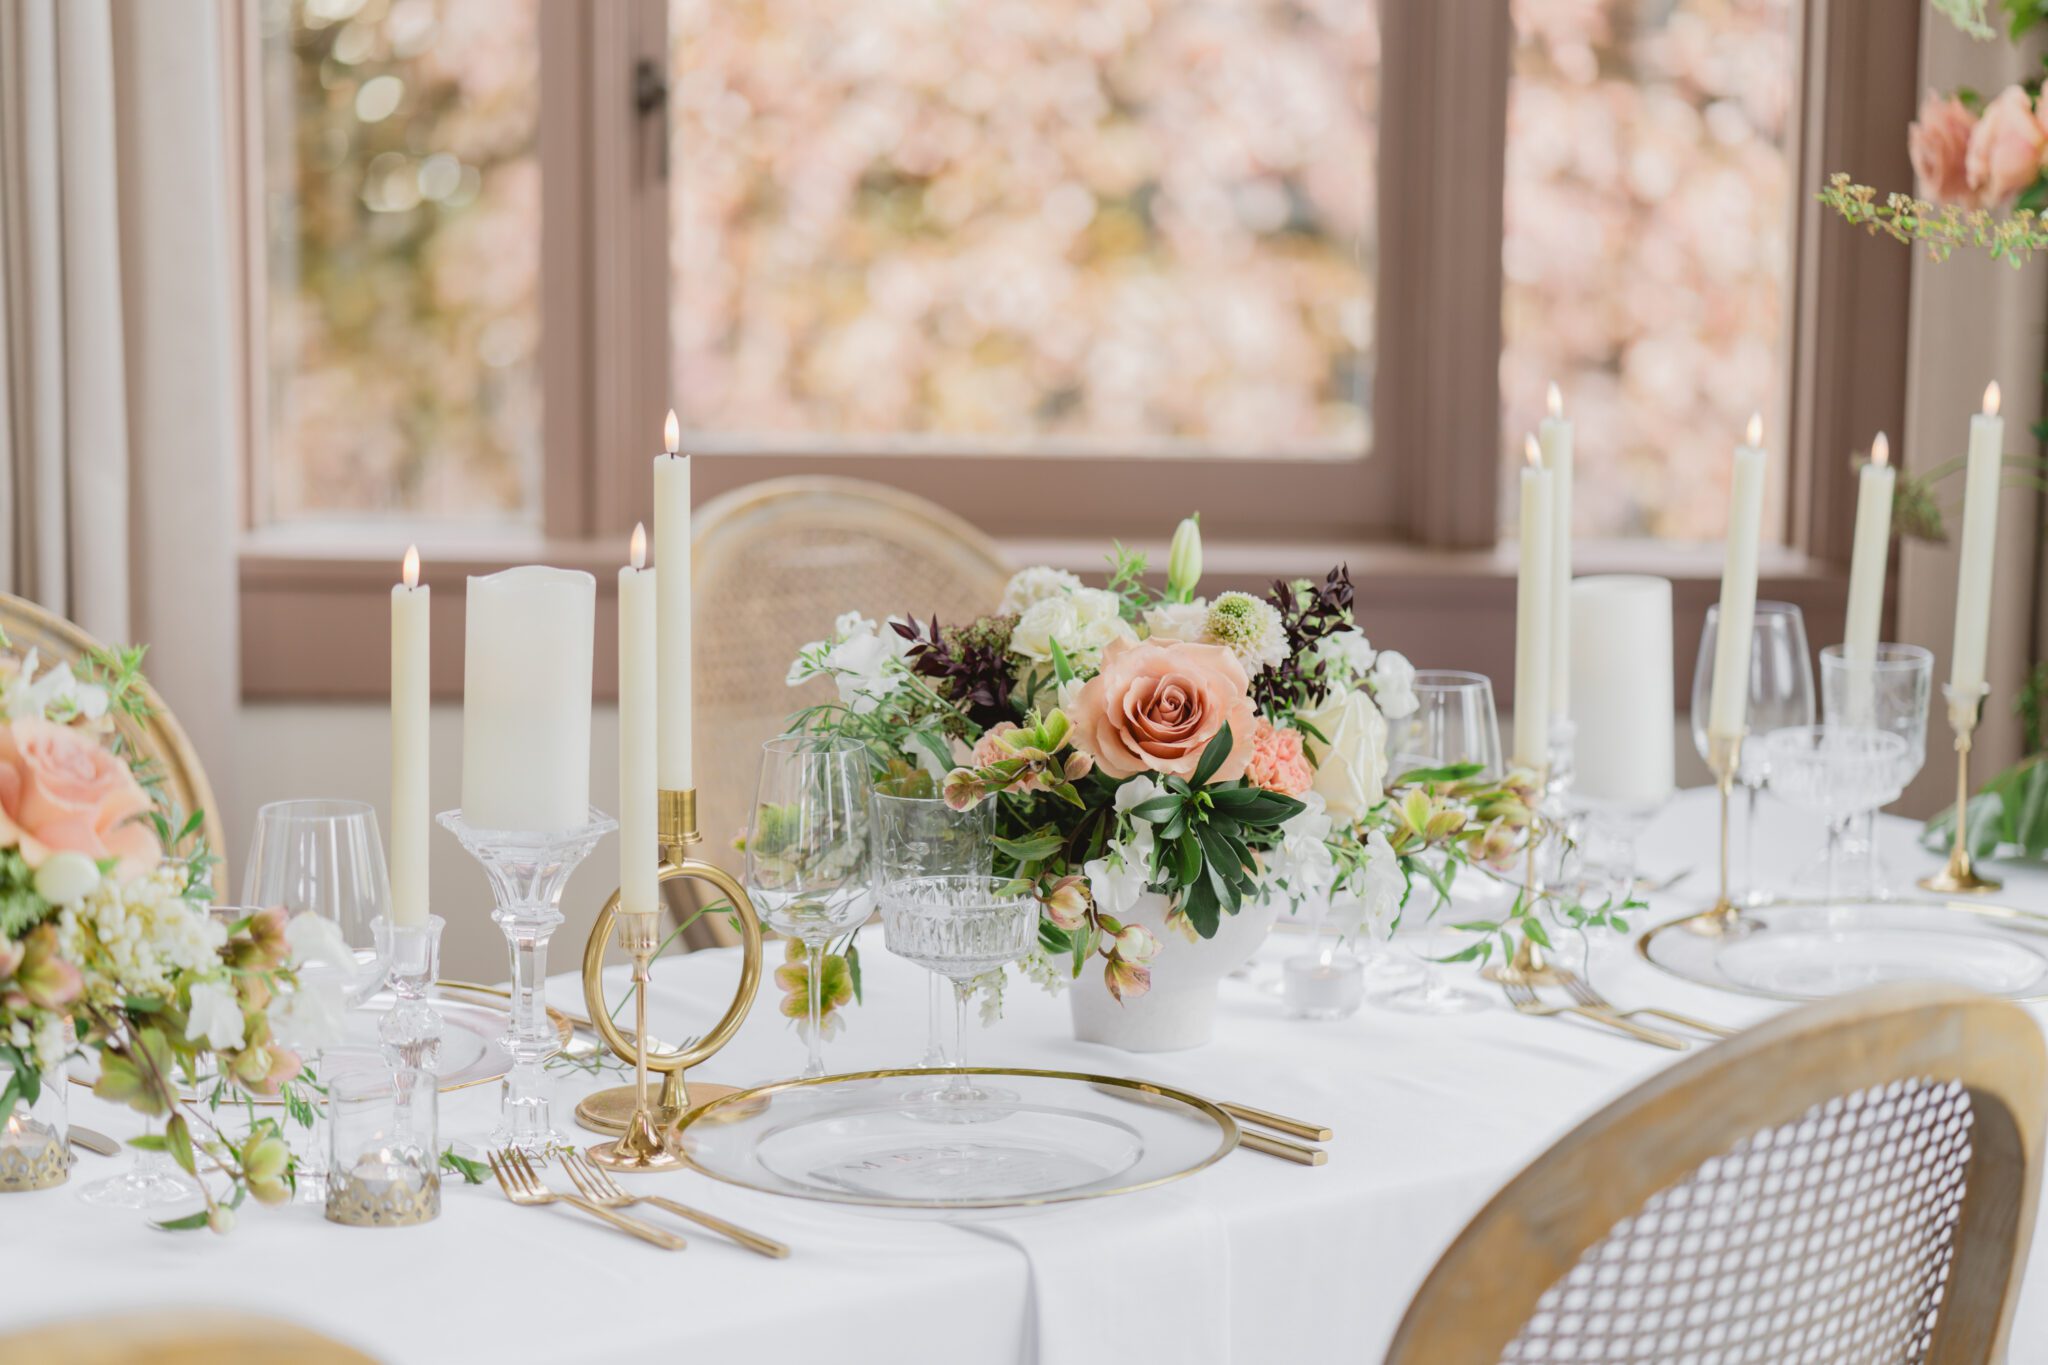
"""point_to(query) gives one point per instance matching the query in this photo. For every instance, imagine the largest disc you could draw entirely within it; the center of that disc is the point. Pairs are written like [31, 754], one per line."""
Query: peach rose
[61, 791]
[1939, 144]
[1156, 705]
[1278, 762]
[2005, 148]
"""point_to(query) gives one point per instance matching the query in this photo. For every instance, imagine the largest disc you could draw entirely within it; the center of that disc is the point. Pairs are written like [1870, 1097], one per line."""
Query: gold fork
[522, 1186]
[1524, 998]
[1582, 991]
[602, 1190]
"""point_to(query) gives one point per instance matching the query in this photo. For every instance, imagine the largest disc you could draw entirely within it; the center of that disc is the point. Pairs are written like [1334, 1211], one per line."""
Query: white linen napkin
[1135, 1277]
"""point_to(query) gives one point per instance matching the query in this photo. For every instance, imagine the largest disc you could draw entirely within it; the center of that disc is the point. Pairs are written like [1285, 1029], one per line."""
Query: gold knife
[1282, 1148]
[1279, 1123]
[94, 1141]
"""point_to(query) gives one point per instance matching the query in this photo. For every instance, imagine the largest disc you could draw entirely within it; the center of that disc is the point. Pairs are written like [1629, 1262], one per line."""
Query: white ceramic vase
[1179, 1011]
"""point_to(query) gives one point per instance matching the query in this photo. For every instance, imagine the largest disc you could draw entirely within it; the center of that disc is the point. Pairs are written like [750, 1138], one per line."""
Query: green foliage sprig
[1201, 852]
[1940, 228]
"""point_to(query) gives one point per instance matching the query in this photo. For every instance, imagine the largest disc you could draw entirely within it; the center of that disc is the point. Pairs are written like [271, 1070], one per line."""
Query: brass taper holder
[646, 1130]
[1530, 965]
[1724, 760]
[1960, 878]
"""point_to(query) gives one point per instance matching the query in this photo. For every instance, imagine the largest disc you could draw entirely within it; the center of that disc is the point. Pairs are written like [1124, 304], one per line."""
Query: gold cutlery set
[1530, 969]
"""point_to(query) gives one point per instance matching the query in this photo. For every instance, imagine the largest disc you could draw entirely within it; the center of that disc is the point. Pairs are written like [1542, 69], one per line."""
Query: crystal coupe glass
[920, 835]
[1888, 690]
[959, 928]
[1835, 771]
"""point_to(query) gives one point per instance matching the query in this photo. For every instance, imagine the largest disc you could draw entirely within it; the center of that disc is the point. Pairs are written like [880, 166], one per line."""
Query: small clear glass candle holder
[384, 1158]
[1322, 985]
[35, 1136]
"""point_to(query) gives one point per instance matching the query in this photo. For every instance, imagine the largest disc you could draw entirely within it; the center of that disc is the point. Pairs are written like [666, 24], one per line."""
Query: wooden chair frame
[1486, 1286]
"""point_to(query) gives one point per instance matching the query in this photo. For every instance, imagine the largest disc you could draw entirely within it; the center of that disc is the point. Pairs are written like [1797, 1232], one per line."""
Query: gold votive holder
[35, 1137]
[384, 1160]
[1960, 876]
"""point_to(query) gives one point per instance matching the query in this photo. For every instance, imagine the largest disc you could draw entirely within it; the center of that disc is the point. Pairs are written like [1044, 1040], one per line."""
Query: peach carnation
[1278, 763]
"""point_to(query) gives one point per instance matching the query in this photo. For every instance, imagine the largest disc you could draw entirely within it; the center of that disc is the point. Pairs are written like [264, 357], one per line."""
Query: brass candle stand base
[646, 1126]
[1724, 918]
[1960, 877]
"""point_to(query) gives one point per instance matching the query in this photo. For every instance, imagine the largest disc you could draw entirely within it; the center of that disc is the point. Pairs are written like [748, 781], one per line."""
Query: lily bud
[1184, 560]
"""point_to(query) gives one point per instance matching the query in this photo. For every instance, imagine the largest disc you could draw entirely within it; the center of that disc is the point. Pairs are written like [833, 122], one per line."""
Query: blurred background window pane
[402, 211]
[1135, 226]
[1648, 247]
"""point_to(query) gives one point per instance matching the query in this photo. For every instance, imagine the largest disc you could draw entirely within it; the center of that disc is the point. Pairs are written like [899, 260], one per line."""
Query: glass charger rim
[1208, 1109]
[2035, 922]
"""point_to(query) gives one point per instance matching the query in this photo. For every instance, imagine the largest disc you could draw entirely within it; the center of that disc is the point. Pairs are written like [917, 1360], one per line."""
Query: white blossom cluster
[863, 658]
[57, 695]
[142, 933]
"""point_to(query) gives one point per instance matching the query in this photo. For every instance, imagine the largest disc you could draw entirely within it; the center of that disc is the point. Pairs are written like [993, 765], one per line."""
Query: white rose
[1393, 683]
[1178, 621]
[65, 878]
[1084, 621]
[1028, 587]
[216, 1016]
[1351, 766]
[1346, 655]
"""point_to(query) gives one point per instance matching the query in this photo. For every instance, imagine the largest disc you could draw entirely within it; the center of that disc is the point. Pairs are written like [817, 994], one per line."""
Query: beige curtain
[116, 400]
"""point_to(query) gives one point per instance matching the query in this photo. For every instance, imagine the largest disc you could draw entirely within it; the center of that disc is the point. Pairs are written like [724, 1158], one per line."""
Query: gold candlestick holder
[1724, 759]
[645, 1129]
[1530, 965]
[1959, 878]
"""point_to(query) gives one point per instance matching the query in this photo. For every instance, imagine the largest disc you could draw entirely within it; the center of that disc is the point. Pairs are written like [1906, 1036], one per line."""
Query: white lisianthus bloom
[1393, 684]
[1084, 621]
[1302, 862]
[1136, 792]
[1351, 757]
[316, 940]
[310, 1016]
[1178, 621]
[216, 1016]
[1346, 656]
[1028, 587]
[1371, 901]
[867, 665]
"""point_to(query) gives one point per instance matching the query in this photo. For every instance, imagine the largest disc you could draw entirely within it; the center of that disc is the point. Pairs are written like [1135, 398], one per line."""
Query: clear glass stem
[935, 1023]
[814, 1063]
[1745, 889]
[1836, 827]
[526, 1121]
[1872, 866]
[957, 1087]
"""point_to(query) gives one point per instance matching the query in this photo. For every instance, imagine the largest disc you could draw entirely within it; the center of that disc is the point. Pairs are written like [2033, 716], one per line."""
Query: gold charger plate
[876, 1141]
[1799, 950]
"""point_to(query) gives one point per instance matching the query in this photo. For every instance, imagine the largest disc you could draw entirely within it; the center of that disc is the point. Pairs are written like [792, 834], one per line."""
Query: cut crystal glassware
[922, 836]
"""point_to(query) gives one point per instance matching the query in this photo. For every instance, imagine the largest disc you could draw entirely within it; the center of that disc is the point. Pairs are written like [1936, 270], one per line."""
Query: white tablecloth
[1432, 1114]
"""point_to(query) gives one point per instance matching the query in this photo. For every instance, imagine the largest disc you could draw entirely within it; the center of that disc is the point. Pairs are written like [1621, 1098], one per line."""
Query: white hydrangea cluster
[145, 931]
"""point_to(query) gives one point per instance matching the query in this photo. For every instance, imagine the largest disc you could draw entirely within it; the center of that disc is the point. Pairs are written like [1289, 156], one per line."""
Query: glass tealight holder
[384, 1161]
[1326, 985]
[35, 1137]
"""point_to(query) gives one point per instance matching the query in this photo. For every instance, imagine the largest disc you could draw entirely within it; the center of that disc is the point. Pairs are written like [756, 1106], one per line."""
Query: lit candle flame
[1555, 401]
[671, 433]
[1881, 451]
[1532, 452]
[639, 550]
[1754, 435]
[1991, 399]
[411, 572]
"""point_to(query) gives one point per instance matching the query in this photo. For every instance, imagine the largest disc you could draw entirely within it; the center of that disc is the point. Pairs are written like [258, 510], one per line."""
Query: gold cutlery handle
[1282, 1148]
[1655, 1037]
[94, 1141]
[1687, 1021]
[666, 1240]
[1279, 1123]
[752, 1241]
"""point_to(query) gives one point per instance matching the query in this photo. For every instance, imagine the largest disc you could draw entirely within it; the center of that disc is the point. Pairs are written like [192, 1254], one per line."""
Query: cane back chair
[177, 1337]
[1851, 1183]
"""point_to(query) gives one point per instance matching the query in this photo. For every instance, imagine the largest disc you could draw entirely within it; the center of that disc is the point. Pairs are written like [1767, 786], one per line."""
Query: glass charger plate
[1813, 950]
[873, 1140]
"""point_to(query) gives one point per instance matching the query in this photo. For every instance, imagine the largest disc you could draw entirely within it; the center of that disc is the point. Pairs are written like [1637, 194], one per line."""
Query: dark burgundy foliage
[1308, 613]
[968, 665]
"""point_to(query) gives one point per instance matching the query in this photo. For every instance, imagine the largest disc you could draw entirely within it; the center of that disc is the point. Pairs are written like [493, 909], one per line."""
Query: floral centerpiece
[107, 946]
[1169, 768]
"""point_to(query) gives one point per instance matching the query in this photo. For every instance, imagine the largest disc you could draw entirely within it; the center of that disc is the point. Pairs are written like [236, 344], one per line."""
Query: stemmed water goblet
[1887, 689]
[1780, 696]
[1454, 722]
[1836, 772]
[916, 834]
[959, 928]
[807, 854]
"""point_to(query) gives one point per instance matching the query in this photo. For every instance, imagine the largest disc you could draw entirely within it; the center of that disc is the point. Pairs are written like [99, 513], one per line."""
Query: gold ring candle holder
[1960, 877]
[1724, 917]
[645, 1130]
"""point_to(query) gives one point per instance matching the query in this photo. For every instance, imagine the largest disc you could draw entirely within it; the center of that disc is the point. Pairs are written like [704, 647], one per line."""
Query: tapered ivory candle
[1980, 543]
[638, 852]
[1728, 712]
[672, 560]
[1621, 670]
[1532, 616]
[410, 605]
[1555, 437]
[1869, 553]
[526, 699]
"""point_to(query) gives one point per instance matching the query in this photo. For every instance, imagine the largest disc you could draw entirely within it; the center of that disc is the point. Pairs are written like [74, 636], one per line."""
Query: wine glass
[959, 928]
[1780, 696]
[1835, 771]
[919, 835]
[1454, 722]
[807, 853]
[325, 857]
[1887, 689]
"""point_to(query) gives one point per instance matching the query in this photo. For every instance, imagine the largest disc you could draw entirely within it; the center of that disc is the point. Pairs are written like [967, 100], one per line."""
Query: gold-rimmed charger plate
[1803, 950]
[876, 1141]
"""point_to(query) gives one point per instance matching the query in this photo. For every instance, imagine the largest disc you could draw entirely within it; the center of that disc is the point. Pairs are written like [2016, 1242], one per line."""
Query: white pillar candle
[1980, 543]
[1555, 437]
[410, 658]
[638, 850]
[1871, 549]
[1532, 617]
[1728, 712]
[526, 699]
[672, 561]
[1621, 669]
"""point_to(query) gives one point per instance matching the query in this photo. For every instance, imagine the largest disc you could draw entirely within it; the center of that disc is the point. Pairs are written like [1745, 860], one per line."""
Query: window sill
[315, 605]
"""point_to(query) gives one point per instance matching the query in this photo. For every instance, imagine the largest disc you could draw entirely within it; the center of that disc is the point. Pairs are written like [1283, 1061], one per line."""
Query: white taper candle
[1979, 545]
[1728, 712]
[638, 849]
[411, 637]
[1532, 616]
[1555, 437]
[673, 648]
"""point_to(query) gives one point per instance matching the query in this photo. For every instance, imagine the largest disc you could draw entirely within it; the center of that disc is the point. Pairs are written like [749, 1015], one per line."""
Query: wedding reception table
[1252, 1260]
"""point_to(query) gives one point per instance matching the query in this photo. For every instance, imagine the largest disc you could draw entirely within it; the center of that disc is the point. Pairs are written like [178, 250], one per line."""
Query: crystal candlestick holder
[411, 1029]
[527, 871]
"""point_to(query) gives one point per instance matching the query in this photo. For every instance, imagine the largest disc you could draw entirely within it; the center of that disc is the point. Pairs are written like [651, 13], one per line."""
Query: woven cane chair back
[1852, 1183]
[174, 774]
[776, 563]
[177, 1337]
